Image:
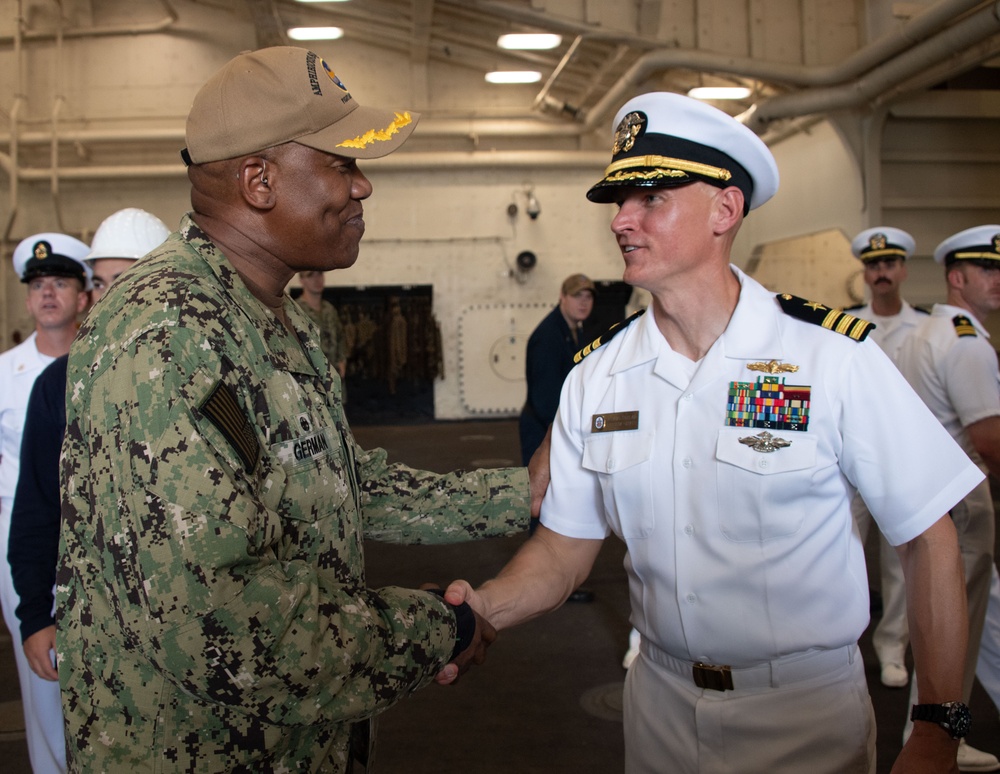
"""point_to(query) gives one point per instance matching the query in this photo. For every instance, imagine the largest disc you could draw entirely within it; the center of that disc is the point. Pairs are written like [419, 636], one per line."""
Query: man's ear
[253, 175]
[728, 210]
[955, 276]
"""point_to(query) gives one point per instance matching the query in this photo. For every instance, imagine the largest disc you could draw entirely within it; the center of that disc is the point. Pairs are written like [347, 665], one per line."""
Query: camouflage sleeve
[224, 594]
[403, 505]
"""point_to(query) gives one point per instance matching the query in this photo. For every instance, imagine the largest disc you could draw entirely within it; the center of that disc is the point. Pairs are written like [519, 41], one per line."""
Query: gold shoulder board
[825, 316]
[963, 326]
[609, 334]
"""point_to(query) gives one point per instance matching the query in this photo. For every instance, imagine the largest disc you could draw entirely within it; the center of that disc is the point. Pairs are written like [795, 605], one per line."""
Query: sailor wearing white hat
[883, 252]
[51, 264]
[952, 365]
[721, 436]
[120, 240]
[664, 140]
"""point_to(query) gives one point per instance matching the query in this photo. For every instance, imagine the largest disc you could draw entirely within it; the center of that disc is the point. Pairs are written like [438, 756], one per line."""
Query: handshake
[475, 632]
[538, 579]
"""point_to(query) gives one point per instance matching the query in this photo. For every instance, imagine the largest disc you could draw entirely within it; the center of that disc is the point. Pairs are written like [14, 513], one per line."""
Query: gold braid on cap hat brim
[378, 135]
[663, 166]
[894, 251]
[988, 256]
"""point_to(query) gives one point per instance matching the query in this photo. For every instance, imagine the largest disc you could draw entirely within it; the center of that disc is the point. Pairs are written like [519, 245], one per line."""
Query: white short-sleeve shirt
[957, 376]
[19, 367]
[737, 556]
[890, 332]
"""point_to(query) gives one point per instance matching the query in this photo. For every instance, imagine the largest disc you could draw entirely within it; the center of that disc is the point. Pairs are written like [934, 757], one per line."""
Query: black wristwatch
[465, 623]
[953, 716]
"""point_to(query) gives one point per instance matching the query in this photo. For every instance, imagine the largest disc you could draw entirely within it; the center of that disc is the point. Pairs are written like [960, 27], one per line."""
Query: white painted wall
[820, 189]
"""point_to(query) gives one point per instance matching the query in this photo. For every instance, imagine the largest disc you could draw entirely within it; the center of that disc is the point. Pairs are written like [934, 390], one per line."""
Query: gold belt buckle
[713, 678]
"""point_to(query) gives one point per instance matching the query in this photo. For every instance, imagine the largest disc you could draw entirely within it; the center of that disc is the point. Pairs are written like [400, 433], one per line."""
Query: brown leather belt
[777, 672]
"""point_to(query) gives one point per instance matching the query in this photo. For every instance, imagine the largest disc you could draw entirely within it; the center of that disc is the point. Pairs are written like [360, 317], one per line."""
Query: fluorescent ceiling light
[719, 92]
[321, 1]
[315, 33]
[514, 76]
[535, 41]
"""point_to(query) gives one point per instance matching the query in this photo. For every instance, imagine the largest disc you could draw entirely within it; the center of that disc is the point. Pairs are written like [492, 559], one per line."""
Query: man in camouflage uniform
[213, 612]
[332, 340]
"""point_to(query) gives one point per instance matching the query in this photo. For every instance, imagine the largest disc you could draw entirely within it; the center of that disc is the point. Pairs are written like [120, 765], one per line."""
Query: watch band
[952, 716]
[465, 623]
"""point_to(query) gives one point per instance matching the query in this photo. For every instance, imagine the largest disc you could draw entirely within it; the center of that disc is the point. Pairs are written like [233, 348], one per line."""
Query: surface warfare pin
[765, 442]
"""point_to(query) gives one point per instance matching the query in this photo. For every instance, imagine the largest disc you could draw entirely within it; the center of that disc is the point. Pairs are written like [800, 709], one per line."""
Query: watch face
[959, 719]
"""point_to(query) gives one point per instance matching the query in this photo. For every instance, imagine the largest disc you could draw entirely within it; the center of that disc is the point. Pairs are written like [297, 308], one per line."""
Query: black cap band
[665, 161]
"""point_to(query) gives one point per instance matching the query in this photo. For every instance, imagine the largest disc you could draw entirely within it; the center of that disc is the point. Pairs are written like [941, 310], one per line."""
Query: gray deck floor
[549, 698]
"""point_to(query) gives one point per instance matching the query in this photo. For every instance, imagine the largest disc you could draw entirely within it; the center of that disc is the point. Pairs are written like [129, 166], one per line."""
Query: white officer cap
[663, 139]
[980, 244]
[882, 242]
[52, 255]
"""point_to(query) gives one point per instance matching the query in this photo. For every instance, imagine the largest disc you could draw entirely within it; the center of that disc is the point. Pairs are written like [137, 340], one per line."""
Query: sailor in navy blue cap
[883, 252]
[721, 435]
[952, 364]
[52, 267]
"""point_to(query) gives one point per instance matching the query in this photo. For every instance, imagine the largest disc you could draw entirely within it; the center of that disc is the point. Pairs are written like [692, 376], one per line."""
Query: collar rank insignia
[831, 319]
[963, 326]
[605, 337]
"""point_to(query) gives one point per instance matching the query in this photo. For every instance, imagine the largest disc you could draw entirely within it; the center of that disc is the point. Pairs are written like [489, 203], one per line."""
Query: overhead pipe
[657, 61]
[977, 26]
[531, 126]
[395, 162]
[566, 58]
[926, 25]
[107, 30]
[961, 62]
[968, 32]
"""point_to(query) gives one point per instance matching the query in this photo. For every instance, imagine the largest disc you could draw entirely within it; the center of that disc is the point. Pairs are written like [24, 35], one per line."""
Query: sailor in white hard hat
[122, 238]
